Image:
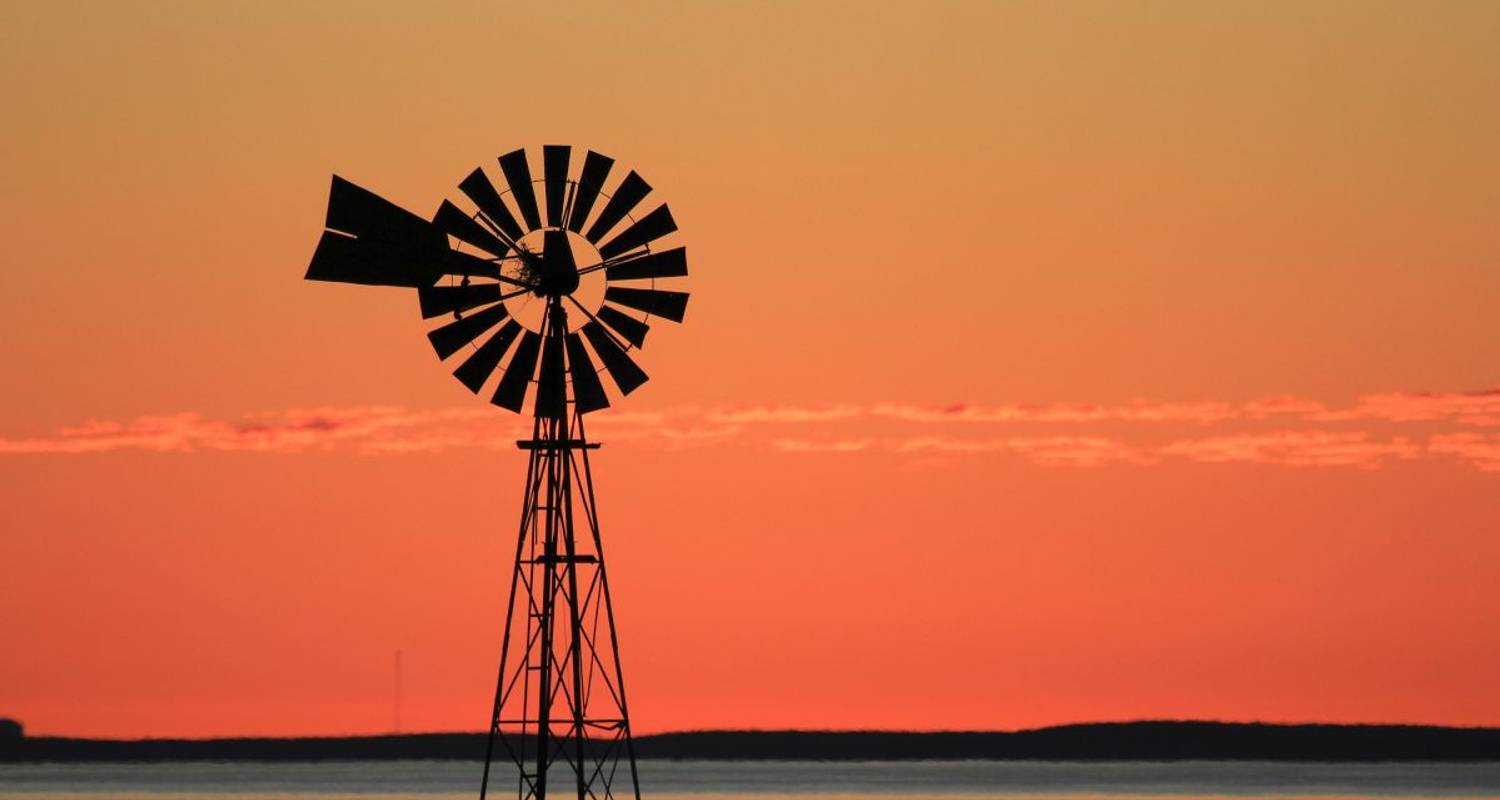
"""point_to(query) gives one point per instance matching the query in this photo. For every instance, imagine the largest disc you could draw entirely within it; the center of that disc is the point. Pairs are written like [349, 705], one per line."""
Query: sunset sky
[1046, 362]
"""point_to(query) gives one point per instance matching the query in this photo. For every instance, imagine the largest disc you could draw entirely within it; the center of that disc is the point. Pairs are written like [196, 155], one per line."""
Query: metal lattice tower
[560, 714]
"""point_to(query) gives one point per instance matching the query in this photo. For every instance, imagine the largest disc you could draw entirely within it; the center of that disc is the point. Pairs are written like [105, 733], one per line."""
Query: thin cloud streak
[754, 414]
[1467, 408]
[1075, 451]
[1480, 450]
[1314, 448]
[1140, 411]
[1375, 431]
[288, 431]
[1052, 451]
[806, 446]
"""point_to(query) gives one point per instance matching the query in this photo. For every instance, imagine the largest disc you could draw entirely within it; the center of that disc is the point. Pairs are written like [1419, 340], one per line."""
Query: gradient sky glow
[1045, 363]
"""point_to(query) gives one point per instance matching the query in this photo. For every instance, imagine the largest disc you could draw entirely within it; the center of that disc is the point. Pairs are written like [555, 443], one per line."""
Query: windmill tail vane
[551, 294]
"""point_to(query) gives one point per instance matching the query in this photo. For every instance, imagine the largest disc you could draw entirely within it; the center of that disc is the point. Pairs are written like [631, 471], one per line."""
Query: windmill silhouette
[503, 274]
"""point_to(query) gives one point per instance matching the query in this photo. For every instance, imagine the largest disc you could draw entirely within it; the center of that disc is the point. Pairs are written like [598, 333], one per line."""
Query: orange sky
[1045, 363]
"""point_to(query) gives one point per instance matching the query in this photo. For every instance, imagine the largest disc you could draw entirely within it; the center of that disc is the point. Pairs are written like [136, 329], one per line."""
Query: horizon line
[756, 730]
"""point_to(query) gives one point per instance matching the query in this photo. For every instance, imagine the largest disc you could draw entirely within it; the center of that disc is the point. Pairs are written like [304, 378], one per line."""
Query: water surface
[763, 780]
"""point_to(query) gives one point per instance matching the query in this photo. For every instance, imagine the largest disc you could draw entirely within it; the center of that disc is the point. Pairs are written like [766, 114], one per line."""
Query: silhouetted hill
[1151, 741]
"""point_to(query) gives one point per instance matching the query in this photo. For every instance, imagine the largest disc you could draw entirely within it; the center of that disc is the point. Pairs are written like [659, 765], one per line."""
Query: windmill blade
[588, 391]
[476, 368]
[630, 329]
[551, 385]
[355, 210]
[518, 175]
[482, 194]
[344, 259]
[630, 192]
[665, 264]
[450, 220]
[595, 171]
[555, 178]
[658, 302]
[511, 393]
[450, 338]
[439, 300]
[647, 229]
[626, 374]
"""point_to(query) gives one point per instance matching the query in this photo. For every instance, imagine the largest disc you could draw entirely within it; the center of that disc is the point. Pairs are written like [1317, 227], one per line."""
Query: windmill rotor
[516, 259]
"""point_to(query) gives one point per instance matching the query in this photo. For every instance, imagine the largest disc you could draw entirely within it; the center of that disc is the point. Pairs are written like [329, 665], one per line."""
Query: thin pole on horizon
[396, 700]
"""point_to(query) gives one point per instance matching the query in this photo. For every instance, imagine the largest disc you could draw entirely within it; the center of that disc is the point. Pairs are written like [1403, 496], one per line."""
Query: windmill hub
[557, 273]
[557, 281]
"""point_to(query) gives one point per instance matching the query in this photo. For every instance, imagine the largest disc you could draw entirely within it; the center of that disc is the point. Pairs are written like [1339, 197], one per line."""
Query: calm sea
[765, 780]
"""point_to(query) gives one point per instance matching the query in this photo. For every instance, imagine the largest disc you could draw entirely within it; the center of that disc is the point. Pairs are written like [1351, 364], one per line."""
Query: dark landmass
[1121, 741]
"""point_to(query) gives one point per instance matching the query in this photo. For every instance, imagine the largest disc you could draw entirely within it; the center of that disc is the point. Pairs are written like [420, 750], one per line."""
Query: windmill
[527, 295]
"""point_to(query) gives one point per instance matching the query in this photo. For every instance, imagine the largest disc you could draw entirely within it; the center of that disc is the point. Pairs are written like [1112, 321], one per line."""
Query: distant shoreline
[1116, 741]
